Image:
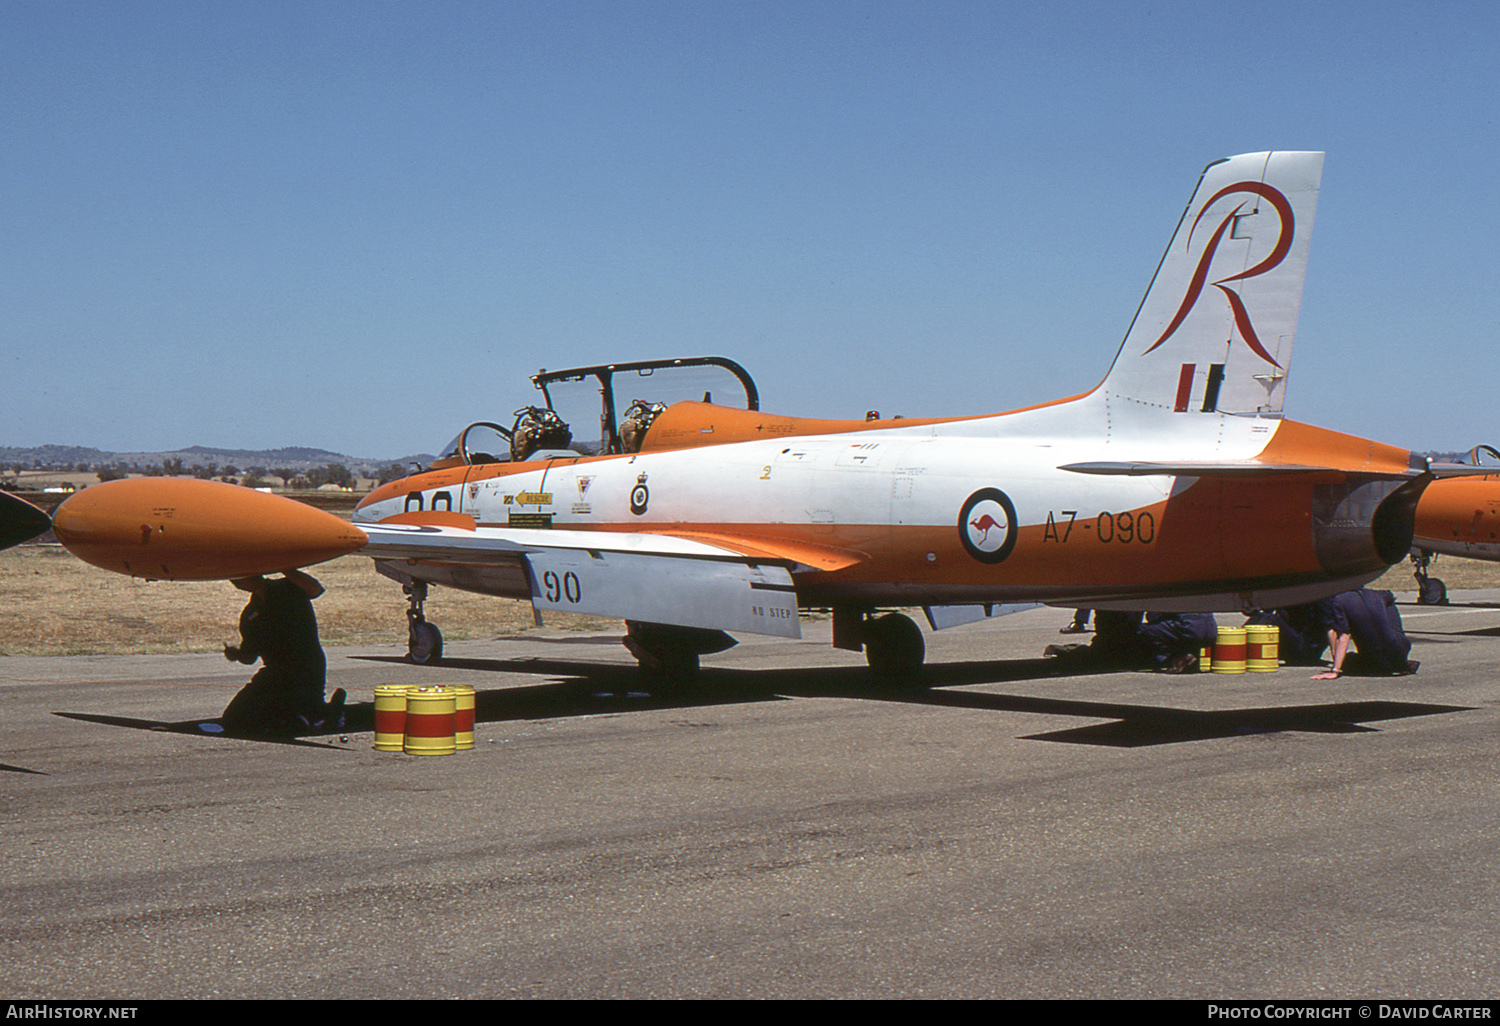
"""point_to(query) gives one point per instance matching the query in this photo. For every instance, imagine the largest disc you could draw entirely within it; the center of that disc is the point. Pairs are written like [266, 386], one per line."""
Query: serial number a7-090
[1110, 528]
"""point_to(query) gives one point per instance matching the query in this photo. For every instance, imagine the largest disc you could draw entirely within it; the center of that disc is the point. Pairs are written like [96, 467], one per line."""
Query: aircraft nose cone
[19, 521]
[190, 530]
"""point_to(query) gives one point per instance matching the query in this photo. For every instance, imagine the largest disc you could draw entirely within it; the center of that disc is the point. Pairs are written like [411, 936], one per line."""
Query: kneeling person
[279, 628]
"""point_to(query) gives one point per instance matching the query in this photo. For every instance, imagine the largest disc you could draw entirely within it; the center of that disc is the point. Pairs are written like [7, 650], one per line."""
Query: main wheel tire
[894, 648]
[663, 666]
[677, 666]
[425, 646]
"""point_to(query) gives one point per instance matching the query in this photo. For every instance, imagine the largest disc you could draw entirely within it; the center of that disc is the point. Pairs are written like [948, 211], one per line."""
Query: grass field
[56, 605]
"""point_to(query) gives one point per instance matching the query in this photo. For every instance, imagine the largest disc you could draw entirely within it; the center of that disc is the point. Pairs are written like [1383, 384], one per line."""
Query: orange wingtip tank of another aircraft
[1175, 484]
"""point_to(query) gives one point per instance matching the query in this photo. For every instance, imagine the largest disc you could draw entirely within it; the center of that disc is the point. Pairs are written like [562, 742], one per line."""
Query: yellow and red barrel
[390, 717]
[463, 716]
[1262, 647]
[430, 721]
[1229, 650]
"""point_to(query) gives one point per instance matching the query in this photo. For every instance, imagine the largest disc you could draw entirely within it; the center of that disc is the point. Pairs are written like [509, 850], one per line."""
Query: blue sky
[362, 225]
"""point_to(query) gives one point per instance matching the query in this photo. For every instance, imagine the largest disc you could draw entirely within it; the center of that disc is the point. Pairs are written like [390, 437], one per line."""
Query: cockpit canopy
[601, 410]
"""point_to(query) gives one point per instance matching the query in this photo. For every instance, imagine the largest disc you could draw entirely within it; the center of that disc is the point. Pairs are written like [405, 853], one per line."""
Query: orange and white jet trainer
[1175, 484]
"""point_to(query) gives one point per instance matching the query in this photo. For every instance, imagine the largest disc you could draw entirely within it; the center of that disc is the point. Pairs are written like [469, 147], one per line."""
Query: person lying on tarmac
[1168, 642]
[1173, 640]
[279, 628]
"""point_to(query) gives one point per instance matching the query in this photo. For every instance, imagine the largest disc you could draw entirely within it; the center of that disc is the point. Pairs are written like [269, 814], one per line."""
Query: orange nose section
[1462, 508]
[191, 530]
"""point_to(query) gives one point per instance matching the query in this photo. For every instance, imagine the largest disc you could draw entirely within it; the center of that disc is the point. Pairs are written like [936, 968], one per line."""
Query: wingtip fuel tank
[185, 529]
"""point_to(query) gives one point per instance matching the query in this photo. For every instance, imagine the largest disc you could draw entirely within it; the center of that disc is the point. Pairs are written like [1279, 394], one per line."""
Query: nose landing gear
[1430, 590]
[424, 642]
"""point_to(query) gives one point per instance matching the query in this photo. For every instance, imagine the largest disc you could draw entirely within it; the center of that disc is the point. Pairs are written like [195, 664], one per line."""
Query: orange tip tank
[185, 529]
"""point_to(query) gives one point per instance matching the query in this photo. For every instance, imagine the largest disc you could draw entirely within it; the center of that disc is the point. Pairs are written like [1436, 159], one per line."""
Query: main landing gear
[1430, 590]
[668, 654]
[424, 642]
[892, 643]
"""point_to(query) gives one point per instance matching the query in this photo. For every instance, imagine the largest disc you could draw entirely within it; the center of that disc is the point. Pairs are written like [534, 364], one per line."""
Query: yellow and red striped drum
[1229, 650]
[1262, 647]
[430, 716]
[390, 717]
[463, 716]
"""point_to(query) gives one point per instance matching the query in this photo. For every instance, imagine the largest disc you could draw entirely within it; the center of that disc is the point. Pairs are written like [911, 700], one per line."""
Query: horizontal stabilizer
[1218, 468]
[1258, 468]
[1459, 470]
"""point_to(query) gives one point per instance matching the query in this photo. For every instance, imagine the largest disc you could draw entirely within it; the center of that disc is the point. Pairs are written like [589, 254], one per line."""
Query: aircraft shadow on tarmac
[593, 689]
[596, 688]
[6, 767]
[201, 727]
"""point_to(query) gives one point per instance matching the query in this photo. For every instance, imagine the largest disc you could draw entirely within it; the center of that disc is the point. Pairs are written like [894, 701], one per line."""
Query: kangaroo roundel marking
[987, 525]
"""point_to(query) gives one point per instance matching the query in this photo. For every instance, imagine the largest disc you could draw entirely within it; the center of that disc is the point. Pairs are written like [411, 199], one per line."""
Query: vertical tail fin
[1214, 332]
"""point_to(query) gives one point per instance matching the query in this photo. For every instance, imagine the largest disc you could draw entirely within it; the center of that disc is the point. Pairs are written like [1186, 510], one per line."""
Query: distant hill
[297, 458]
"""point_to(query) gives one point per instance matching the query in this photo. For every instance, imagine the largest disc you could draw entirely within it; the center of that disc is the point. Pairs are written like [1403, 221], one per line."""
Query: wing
[187, 529]
[656, 578]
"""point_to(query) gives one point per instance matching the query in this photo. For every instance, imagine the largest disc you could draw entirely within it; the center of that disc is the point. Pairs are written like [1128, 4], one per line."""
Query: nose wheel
[424, 642]
[1430, 590]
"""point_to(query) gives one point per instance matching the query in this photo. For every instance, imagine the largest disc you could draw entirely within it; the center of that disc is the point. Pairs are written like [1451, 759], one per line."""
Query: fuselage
[965, 511]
